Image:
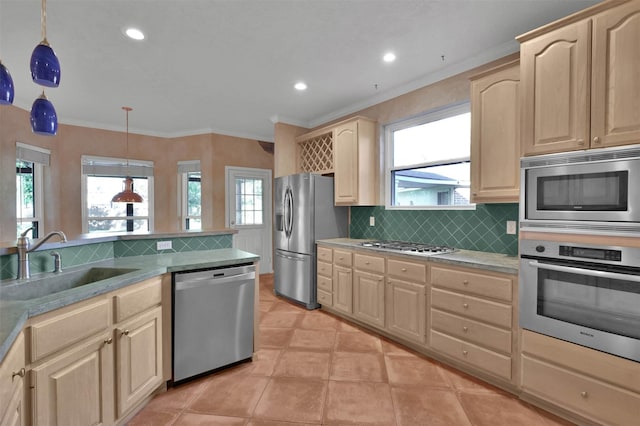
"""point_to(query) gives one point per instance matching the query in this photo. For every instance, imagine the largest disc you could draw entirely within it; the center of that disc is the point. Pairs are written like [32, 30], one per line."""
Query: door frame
[267, 197]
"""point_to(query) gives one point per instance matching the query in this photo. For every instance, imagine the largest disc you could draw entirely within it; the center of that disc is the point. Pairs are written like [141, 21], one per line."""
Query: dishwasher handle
[204, 282]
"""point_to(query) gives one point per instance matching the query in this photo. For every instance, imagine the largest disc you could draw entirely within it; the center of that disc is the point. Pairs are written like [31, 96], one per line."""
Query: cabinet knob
[465, 353]
[475, 193]
[19, 373]
[404, 269]
[465, 282]
[465, 305]
[125, 332]
[366, 263]
[596, 140]
[580, 142]
[108, 341]
[584, 394]
[465, 329]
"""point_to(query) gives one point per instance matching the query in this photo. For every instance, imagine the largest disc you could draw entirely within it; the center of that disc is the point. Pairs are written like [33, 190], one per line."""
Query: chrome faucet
[24, 250]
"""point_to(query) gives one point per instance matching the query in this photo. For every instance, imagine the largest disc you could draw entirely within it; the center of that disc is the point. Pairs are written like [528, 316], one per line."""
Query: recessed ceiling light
[300, 86]
[389, 57]
[134, 33]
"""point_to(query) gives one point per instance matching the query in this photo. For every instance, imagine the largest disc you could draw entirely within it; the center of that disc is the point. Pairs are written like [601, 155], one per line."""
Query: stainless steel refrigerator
[304, 213]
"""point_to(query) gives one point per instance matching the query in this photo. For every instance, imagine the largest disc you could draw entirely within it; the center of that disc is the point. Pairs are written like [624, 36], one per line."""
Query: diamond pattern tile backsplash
[483, 229]
[41, 261]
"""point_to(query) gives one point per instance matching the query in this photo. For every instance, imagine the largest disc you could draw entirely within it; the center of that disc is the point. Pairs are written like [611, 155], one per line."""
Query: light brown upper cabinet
[579, 81]
[354, 160]
[495, 135]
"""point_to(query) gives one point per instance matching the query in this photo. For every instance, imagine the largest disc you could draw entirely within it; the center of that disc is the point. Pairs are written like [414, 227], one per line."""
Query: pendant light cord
[43, 21]
[127, 109]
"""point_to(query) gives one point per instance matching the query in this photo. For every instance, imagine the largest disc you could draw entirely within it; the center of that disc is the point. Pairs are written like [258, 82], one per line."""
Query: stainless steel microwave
[596, 185]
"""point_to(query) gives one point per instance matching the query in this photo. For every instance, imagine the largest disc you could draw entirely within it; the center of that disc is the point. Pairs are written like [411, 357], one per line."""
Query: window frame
[413, 121]
[38, 182]
[116, 162]
[184, 169]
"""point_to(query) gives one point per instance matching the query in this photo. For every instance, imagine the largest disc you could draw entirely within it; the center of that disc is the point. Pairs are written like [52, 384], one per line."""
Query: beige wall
[63, 209]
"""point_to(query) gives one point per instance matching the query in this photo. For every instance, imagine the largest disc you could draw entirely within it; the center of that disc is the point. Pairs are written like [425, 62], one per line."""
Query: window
[428, 160]
[30, 162]
[102, 179]
[190, 194]
[248, 201]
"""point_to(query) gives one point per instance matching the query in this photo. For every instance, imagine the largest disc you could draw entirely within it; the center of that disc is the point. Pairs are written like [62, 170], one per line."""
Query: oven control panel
[591, 253]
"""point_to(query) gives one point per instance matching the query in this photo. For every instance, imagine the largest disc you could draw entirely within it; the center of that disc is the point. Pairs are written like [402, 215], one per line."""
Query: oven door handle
[590, 272]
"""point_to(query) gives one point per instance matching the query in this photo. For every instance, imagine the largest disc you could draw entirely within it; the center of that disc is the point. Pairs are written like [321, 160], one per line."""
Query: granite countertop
[14, 313]
[474, 259]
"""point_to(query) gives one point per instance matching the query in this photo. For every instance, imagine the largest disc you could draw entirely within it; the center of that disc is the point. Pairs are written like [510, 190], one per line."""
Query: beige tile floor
[315, 369]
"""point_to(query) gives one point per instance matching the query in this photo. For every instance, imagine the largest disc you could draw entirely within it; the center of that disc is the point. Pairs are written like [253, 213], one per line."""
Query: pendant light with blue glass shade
[44, 120]
[45, 67]
[6, 86]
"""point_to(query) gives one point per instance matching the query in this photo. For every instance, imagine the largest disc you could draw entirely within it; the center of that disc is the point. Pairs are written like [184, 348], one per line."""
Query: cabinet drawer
[325, 298]
[13, 362]
[588, 397]
[408, 271]
[609, 368]
[487, 360]
[472, 331]
[138, 298]
[325, 283]
[369, 263]
[325, 269]
[472, 307]
[470, 282]
[342, 258]
[57, 330]
[325, 254]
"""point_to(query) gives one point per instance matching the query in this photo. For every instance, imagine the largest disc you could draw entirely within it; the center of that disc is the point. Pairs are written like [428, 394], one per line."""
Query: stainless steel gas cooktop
[409, 248]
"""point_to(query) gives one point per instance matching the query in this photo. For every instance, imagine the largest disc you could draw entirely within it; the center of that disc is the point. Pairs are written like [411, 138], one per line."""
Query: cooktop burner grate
[408, 247]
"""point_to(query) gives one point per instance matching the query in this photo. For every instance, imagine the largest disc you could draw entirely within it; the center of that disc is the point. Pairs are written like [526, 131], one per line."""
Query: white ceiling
[228, 66]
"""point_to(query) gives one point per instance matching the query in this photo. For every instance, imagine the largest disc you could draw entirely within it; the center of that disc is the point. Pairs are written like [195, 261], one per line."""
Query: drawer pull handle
[125, 332]
[465, 329]
[584, 394]
[404, 269]
[108, 341]
[19, 373]
[465, 353]
[465, 305]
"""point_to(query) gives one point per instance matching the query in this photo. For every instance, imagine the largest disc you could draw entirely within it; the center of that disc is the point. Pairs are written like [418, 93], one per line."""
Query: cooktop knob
[540, 249]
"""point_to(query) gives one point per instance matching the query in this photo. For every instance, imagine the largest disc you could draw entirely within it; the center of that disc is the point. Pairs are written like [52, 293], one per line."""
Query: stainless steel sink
[56, 283]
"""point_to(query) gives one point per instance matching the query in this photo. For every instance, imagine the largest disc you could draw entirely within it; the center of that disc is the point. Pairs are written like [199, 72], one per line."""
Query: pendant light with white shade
[127, 195]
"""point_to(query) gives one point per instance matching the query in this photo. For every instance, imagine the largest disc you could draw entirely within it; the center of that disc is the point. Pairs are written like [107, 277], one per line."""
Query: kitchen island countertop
[15, 313]
[496, 262]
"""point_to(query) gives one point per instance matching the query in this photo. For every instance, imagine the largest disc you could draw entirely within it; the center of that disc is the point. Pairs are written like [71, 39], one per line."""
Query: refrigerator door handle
[289, 212]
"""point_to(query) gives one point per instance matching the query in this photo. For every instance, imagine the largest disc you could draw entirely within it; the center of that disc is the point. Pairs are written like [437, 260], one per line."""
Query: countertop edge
[495, 262]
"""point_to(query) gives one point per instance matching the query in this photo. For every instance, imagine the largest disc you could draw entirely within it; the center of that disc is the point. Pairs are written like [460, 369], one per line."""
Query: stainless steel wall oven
[582, 293]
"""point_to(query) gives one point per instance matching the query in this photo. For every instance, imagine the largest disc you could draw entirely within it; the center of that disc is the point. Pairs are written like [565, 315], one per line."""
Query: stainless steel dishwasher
[212, 319]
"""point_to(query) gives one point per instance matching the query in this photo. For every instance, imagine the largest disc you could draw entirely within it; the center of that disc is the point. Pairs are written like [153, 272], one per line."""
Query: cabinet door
[345, 163]
[15, 415]
[342, 289]
[495, 136]
[406, 306]
[615, 100]
[139, 352]
[76, 387]
[555, 80]
[368, 293]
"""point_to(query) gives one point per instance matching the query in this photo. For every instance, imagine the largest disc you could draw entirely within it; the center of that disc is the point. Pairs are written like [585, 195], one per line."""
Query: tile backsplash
[482, 229]
[41, 261]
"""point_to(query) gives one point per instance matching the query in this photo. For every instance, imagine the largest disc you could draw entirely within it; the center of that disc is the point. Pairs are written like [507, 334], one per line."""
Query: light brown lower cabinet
[12, 376]
[368, 297]
[343, 289]
[406, 309]
[75, 387]
[99, 379]
[602, 388]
